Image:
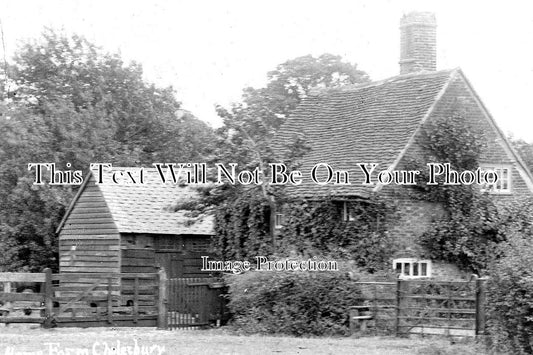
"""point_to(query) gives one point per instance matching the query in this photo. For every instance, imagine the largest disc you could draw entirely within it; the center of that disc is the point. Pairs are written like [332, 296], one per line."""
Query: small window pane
[407, 267]
[503, 184]
[424, 267]
[505, 179]
[415, 269]
[279, 220]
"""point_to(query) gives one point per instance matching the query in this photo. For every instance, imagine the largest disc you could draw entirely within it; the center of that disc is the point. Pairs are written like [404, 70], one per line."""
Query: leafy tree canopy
[71, 102]
[59, 76]
[251, 124]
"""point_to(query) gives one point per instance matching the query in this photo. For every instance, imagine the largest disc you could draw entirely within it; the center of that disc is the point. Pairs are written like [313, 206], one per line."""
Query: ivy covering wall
[310, 228]
[475, 224]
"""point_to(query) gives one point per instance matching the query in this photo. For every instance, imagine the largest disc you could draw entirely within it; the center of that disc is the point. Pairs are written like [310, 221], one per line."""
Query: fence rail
[81, 299]
[421, 307]
[150, 299]
[103, 299]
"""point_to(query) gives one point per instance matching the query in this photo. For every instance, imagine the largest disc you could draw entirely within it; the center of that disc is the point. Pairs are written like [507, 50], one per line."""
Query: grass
[22, 339]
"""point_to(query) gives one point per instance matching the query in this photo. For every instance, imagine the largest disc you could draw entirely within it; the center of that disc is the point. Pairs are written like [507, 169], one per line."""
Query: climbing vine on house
[473, 228]
[318, 227]
[310, 228]
[242, 229]
[448, 139]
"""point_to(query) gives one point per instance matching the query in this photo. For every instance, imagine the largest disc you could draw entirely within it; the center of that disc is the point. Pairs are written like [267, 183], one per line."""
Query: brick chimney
[418, 42]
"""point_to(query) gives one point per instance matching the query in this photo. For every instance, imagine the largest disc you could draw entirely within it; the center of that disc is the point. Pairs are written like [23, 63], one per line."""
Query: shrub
[510, 298]
[295, 303]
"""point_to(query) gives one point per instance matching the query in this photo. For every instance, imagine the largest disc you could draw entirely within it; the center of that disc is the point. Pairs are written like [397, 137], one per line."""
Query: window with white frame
[348, 213]
[278, 223]
[503, 183]
[412, 268]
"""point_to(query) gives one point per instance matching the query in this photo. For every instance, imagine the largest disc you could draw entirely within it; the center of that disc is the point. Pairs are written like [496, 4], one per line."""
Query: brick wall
[418, 42]
[445, 271]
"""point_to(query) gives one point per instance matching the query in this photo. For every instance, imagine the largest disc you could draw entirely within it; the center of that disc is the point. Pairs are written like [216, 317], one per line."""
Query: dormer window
[410, 268]
[503, 184]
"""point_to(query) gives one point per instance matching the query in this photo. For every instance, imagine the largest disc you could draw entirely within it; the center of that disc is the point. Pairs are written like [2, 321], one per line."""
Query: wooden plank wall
[89, 240]
[182, 263]
[192, 264]
[138, 260]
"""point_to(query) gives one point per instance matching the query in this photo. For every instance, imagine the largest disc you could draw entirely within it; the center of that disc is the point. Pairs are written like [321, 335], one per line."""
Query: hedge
[294, 303]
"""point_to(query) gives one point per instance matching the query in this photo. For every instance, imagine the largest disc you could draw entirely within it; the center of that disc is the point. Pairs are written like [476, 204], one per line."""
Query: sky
[210, 50]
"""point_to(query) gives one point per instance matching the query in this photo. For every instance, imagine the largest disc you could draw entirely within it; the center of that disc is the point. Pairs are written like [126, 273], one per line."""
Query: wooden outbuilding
[133, 227]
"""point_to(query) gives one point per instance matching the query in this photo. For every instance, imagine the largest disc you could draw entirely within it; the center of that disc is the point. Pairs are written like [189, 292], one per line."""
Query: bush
[510, 298]
[295, 303]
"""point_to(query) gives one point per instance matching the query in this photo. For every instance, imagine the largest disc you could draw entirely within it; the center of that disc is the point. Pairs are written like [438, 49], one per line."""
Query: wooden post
[480, 306]
[353, 313]
[48, 299]
[136, 300]
[162, 300]
[7, 289]
[109, 300]
[398, 306]
[449, 306]
[375, 310]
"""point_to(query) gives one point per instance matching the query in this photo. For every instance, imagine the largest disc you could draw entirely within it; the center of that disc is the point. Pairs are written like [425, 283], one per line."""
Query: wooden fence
[376, 307]
[26, 298]
[98, 299]
[447, 308]
[82, 299]
[110, 299]
[452, 308]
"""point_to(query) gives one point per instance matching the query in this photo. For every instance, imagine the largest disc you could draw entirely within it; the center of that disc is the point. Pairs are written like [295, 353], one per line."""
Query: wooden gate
[26, 298]
[98, 299]
[454, 308]
[194, 302]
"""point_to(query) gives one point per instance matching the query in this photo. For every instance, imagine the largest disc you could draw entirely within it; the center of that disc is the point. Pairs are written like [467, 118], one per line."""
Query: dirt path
[23, 340]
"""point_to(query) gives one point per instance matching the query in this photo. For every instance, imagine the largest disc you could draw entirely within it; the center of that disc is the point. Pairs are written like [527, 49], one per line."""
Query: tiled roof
[369, 123]
[148, 207]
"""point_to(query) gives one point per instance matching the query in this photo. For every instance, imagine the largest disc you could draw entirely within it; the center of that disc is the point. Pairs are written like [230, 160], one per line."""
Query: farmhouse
[112, 228]
[381, 122]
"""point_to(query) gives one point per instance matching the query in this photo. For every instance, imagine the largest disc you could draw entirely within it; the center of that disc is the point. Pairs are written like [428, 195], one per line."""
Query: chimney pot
[418, 42]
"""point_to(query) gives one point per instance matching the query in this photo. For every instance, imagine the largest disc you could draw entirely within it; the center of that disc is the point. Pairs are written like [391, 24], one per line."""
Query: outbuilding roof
[149, 207]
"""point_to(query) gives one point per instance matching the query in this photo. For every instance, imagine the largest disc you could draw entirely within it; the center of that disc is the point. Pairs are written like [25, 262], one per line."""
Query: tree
[74, 74]
[73, 103]
[249, 126]
[262, 111]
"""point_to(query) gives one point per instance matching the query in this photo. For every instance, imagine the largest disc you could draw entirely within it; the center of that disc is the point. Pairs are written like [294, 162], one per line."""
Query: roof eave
[73, 202]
